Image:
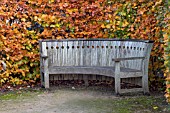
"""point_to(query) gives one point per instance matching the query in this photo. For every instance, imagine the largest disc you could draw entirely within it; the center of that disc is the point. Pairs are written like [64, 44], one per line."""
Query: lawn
[80, 100]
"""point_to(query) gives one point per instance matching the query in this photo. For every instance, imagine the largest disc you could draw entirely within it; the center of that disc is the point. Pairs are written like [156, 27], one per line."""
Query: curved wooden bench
[116, 58]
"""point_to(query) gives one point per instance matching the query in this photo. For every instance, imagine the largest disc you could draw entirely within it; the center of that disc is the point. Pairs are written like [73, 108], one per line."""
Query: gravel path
[71, 100]
[57, 101]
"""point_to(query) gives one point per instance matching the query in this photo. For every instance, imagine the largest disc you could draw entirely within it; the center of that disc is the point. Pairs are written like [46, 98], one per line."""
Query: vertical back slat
[112, 52]
[49, 53]
[81, 52]
[93, 53]
[76, 51]
[98, 53]
[84, 53]
[95, 60]
[64, 49]
[88, 53]
[53, 49]
[103, 53]
[69, 54]
[60, 53]
[108, 58]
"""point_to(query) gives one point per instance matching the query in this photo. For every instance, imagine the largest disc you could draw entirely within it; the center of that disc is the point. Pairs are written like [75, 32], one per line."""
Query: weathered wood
[128, 58]
[116, 58]
[103, 53]
[130, 74]
[117, 77]
[49, 53]
[44, 56]
[131, 90]
[99, 54]
[45, 65]
[97, 39]
[55, 55]
[82, 70]
[85, 77]
[145, 68]
[77, 53]
[107, 71]
[93, 53]
[81, 52]
[87, 54]
[70, 61]
[64, 49]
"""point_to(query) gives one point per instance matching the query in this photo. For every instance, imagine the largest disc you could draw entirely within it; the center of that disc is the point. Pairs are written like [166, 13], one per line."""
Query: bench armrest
[128, 58]
[44, 56]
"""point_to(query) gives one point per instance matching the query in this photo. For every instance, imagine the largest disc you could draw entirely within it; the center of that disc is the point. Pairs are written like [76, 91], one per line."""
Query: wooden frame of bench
[118, 58]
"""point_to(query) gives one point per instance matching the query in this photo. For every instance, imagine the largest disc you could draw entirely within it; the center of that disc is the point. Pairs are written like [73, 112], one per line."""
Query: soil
[82, 100]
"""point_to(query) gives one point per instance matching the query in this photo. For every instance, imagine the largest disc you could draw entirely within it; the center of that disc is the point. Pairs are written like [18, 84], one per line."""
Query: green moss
[120, 105]
[12, 95]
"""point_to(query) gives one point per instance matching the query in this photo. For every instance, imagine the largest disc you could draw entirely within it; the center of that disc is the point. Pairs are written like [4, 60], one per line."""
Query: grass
[17, 94]
[141, 104]
[155, 103]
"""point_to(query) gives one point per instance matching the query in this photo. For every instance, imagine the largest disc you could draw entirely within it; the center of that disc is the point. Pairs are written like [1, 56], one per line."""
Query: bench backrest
[95, 52]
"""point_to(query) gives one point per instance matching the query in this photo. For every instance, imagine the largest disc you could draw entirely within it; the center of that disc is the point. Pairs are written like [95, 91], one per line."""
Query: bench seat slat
[107, 71]
[129, 58]
[131, 90]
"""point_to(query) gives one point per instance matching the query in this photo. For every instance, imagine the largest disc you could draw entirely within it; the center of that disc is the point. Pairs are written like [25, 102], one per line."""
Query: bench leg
[42, 79]
[46, 82]
[46, 73]
[117, 78]
[145, 84]
[85, 77]
[117, 85]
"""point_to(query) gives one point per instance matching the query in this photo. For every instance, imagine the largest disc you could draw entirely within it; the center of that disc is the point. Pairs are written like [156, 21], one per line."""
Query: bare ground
[82, 100]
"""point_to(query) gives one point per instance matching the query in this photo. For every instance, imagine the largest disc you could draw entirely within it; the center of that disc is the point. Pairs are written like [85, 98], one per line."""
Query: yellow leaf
[102, 26]
[2, 81]
[140, 0]
[159, 2]
[43, 16]
[23, 73]
[23, 19]
[125, 23]
[57, 25]
[28, 24]
[31, 64]
[52, 18]
[7, 74]
[123, 13]
[110, 16]
[70, 11]
[113, 26]
[108, 26]
[5, 78]
[51, 1]
[165, 36]
[35, 18]
[155, 107]
[39, 1]
[38, 76]
[39, 19]
[52, 25]
[117, 17]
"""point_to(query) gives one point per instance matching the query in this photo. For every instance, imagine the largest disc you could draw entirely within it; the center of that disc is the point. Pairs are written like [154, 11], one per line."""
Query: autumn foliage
[167, 51]
[24, 22]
